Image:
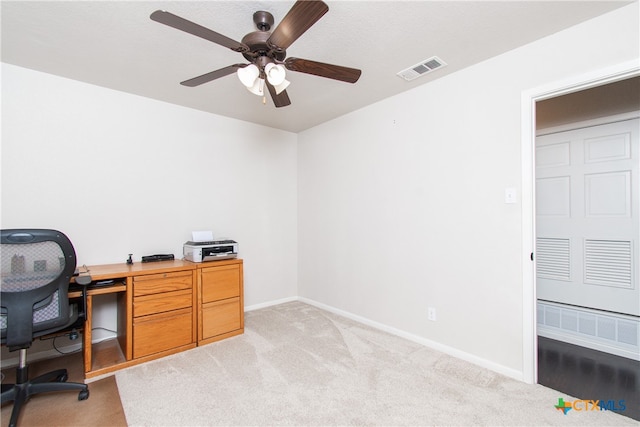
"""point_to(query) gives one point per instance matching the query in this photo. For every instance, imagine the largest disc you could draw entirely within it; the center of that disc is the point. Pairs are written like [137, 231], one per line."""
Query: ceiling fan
[266, 51]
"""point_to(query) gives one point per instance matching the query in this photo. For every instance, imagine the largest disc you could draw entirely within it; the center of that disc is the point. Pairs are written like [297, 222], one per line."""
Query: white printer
[210, 251]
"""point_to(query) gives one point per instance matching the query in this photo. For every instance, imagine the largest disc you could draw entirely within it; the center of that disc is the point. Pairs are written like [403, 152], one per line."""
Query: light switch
[510, 195]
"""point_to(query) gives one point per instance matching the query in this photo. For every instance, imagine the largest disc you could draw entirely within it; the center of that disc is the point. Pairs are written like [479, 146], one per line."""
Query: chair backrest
[37, 266]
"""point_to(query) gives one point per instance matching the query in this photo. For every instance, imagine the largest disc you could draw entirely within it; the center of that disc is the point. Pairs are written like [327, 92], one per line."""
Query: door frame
[528, 136]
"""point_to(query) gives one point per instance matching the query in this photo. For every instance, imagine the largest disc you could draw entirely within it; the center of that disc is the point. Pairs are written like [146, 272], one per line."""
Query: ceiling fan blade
[179, 23]
[330, 71]
[281, 99]
[299, 19]
[205, 78]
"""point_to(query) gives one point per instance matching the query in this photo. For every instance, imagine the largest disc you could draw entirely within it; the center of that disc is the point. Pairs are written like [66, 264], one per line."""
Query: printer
[210, 251]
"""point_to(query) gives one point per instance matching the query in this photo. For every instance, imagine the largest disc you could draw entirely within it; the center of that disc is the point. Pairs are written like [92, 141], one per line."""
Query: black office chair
[37, 266]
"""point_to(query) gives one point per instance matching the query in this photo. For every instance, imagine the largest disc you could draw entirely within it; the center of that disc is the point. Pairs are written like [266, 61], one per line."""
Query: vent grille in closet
[608, 262]
[553, 259]
[604, 331]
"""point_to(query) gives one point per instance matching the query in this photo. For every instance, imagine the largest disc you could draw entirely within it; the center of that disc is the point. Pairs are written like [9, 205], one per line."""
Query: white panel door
[587, 191]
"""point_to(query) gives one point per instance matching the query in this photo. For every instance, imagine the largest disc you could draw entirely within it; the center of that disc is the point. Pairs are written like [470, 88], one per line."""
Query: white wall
[123, 174]
[396, 207]
[401, 204]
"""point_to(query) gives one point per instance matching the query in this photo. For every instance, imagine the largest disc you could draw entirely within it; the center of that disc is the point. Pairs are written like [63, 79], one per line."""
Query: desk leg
[125, 333]
[87, 334]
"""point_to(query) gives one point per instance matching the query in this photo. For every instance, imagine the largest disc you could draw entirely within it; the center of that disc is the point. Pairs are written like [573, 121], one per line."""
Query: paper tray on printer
[217, 251]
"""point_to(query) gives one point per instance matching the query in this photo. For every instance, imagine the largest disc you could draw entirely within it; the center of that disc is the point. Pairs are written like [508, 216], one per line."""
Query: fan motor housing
[257, 43]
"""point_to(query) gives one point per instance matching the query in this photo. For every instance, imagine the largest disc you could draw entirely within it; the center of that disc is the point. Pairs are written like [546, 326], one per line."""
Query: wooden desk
[163, 308]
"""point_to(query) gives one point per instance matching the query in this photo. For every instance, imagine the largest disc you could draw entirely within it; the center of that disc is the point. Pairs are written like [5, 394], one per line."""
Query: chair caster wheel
[62, 378]
[83, 395]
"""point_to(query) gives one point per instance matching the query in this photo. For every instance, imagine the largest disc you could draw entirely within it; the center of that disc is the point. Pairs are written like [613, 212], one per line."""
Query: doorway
[553, 108]
[587, 227]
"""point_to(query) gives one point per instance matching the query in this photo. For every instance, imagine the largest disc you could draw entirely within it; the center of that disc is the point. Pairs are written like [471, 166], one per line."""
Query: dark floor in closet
[589, 374]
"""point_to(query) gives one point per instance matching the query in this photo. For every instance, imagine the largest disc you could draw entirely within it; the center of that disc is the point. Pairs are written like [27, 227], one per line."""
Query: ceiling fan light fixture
[248, 75]
[275, 73]
[282, 86]
[265, 50]
[257, 88]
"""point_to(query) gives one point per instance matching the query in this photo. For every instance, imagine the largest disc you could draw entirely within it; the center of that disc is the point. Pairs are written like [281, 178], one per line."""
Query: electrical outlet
[431, 314]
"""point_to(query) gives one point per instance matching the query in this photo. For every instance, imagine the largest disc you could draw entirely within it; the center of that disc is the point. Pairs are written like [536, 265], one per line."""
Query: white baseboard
[484, 363]
[270, 303]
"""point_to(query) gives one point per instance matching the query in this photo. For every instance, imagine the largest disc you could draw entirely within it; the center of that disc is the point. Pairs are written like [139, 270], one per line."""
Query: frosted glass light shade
[248, 75]
[282, 86]
[257, 88]
[275, 73]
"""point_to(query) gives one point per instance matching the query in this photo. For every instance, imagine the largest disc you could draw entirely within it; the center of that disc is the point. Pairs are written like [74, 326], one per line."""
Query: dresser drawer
[160, 332]
[221, 317]
[164, 282]
[167, 301]
[220, 282]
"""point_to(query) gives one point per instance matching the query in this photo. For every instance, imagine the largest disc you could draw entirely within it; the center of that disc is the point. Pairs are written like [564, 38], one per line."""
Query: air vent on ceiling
[422, 68]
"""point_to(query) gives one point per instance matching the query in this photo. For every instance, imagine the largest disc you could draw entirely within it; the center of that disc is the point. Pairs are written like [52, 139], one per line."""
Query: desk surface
[124, 270]
[109, 271]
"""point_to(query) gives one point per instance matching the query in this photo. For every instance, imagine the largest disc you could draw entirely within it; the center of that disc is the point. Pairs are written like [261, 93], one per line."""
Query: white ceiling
[114, 44]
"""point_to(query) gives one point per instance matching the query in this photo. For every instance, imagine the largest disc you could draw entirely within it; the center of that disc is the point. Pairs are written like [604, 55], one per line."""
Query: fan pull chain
[264, 97]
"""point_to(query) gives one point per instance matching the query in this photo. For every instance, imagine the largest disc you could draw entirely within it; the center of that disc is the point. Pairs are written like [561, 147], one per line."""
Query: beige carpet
[299, 365]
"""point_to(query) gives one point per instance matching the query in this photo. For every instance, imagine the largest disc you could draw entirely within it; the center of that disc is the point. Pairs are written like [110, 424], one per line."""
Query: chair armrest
[83, 280]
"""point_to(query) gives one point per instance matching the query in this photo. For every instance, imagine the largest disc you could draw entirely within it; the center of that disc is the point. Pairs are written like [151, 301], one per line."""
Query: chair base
[20, 392]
